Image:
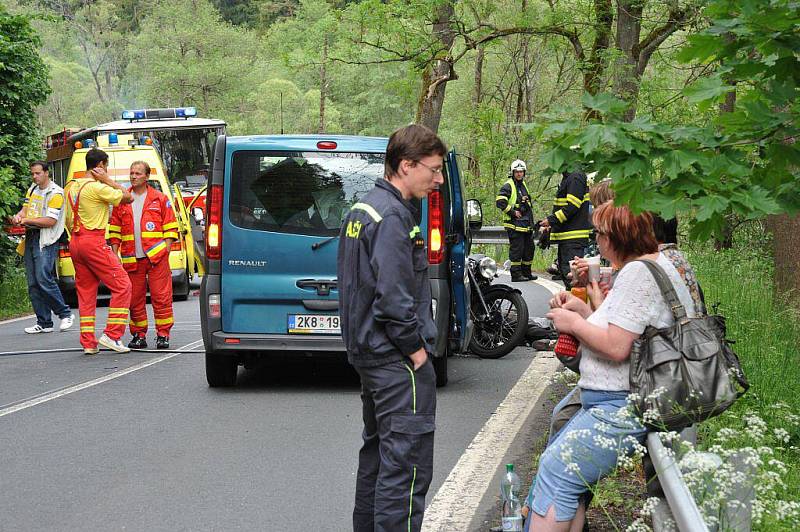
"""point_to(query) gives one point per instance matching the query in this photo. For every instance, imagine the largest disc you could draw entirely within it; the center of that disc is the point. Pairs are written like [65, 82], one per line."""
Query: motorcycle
[499, 313]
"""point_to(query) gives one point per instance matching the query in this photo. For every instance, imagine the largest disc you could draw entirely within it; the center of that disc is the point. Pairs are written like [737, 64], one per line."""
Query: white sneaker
[114, 345]
[66, 323]
[36, 329]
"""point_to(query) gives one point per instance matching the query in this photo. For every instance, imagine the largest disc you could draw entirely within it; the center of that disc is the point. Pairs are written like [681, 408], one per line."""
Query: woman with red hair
[589, 445]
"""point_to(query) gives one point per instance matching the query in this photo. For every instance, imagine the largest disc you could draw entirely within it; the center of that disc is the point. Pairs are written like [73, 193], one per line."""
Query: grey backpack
[685, 373]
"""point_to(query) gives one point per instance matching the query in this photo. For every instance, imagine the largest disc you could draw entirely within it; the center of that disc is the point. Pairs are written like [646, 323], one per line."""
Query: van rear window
[306, 193]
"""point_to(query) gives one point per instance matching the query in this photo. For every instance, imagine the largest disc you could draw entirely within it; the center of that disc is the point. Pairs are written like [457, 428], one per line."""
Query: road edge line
[94, 382]
[18, 318]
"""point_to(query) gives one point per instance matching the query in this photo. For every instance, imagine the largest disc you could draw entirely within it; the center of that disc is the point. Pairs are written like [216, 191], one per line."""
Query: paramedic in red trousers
[88, 198]
[388, 330]
[143, 231]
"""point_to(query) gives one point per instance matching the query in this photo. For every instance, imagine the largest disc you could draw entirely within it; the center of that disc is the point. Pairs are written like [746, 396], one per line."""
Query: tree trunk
[629, 29]
[784, 229]
[323, 86]
[477, 96]
[438, 72]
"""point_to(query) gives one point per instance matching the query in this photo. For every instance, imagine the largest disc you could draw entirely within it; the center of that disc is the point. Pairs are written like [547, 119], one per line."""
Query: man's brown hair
[631, 235]
[144, 165]
[601, 192]
[412, 143]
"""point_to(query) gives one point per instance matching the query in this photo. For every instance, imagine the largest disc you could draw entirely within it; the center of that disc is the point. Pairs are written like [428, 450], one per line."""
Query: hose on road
[71, 349]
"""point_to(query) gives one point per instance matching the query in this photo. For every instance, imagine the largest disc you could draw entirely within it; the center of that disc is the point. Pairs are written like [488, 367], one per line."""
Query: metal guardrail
[495, 234]
[680, 506]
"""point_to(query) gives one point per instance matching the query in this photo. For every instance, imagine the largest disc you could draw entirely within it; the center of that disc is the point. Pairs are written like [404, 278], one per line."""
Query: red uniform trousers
[159, 278]
[94, 261]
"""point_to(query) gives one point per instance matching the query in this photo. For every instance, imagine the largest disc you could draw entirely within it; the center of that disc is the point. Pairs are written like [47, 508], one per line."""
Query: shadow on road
[332, 373]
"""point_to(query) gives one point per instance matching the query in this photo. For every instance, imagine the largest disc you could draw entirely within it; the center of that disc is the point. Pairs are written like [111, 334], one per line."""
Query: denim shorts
[585, 450]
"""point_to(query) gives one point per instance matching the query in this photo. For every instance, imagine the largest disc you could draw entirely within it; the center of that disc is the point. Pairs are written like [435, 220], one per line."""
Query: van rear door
[284, 211]
[458, 239]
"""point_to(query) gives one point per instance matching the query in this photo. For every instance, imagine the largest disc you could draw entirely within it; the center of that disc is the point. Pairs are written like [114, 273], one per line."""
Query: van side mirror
[474, 214]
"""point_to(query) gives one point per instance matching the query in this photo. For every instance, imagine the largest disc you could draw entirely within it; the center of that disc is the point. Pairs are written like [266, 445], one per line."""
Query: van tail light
[435, 227]
[214, 310]
[176, 246]
[214, 223]
[63, 251]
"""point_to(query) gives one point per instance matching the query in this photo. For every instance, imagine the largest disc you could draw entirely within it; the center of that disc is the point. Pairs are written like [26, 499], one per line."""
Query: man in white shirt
[43, 218]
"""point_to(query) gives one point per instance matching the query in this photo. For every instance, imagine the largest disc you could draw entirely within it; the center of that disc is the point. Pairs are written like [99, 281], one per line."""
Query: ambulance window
[305, 193]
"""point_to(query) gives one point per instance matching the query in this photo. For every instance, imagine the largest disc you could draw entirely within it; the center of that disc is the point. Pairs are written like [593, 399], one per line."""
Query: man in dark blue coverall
[388, 330]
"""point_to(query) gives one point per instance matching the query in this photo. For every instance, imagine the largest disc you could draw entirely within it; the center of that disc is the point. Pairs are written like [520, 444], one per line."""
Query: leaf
[591, 137]
[704, 89]
[554, 159]
[678, 160]
[701, 48]
[710, 206]
[604, 102]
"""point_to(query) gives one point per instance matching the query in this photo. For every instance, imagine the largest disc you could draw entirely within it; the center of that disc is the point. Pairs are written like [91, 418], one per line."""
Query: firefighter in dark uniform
[570, 223]
[388, 330]
[515, 202]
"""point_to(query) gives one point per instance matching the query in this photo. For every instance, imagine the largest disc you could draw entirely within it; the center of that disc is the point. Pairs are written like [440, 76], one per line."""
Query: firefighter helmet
[519, 164]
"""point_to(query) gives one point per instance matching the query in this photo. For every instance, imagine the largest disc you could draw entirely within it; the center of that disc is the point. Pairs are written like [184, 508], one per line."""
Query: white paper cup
[594, 268]
[606, 275]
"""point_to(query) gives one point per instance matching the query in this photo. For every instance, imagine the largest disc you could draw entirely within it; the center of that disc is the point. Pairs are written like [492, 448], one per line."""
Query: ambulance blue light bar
[156, 114]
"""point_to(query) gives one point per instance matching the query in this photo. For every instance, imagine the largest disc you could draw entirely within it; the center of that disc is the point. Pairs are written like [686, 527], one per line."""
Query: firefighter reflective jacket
[509, 199]
[158, 223]
[570, 219]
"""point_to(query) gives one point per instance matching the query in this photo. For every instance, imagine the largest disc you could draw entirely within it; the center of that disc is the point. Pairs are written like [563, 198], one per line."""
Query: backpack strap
[667, 290]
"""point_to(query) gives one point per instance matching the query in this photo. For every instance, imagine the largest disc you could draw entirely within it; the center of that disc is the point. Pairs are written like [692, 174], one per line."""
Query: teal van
[274, 210]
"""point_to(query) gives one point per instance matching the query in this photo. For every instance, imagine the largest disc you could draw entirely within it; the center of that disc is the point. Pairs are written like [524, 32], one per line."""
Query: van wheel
[183, 296]
[221, 370]
[440, 368]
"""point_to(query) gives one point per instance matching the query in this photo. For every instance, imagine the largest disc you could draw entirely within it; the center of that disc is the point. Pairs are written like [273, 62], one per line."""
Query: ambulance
[122, 151]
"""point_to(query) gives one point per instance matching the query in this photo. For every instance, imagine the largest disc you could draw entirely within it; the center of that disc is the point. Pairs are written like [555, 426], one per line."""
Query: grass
[13, 292]
[767, 335]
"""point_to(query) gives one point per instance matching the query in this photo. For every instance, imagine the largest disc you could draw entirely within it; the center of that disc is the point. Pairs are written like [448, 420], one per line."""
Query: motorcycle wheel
[497, 334]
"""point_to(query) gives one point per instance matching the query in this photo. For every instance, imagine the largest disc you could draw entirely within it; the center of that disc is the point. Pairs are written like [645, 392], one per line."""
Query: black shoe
[162, 342]
[138, 342]
[556, 277]
[518, 278]
[532, 277]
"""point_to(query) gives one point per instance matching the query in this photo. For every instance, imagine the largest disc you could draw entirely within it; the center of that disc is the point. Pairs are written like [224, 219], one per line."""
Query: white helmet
[519, 164]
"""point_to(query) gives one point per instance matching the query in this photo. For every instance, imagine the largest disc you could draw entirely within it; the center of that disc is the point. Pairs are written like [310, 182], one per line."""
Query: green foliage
[23, 86]
[13, 288]
[743, 162]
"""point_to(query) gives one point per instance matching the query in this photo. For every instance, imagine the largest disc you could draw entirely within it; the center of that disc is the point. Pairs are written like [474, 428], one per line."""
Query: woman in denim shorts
[603, 431]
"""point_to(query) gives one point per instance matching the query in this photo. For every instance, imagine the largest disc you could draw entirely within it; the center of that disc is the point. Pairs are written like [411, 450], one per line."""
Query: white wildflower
[781, 435]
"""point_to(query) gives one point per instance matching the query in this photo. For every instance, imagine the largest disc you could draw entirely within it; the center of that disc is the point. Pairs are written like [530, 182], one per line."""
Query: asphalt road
[156, 449]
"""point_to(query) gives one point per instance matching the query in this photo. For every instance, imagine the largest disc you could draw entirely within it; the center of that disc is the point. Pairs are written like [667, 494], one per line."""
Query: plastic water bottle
[512, 508]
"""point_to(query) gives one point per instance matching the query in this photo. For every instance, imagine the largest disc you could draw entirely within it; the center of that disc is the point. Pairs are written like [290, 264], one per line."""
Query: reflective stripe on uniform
[516, 263]
[152, 234]
[170, 234]
[414, 232]
[156, 249]
[369, 209]
[141, 323]
[570, 235]
[127, 238]
[114, 228]
[170, 225]
[128, 259]
[517, 228]
[561, 216]
[164, 321]
[574, 200]
[527, 262]
[508, 204]
[411, 498]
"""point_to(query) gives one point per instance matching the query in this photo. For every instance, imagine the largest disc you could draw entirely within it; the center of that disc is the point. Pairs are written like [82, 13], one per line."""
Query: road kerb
[19, 318]
[454, 505]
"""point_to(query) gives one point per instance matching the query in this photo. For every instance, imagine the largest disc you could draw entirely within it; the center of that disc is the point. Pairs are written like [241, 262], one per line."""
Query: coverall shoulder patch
[150, 226]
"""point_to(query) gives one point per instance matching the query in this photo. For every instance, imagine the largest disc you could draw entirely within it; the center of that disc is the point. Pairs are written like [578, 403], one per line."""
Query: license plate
[313, 324]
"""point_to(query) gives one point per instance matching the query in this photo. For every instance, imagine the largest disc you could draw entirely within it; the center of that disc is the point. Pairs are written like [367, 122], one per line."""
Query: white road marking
[454, 505]
[459, 497]
[94, 382]
[12, 320]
